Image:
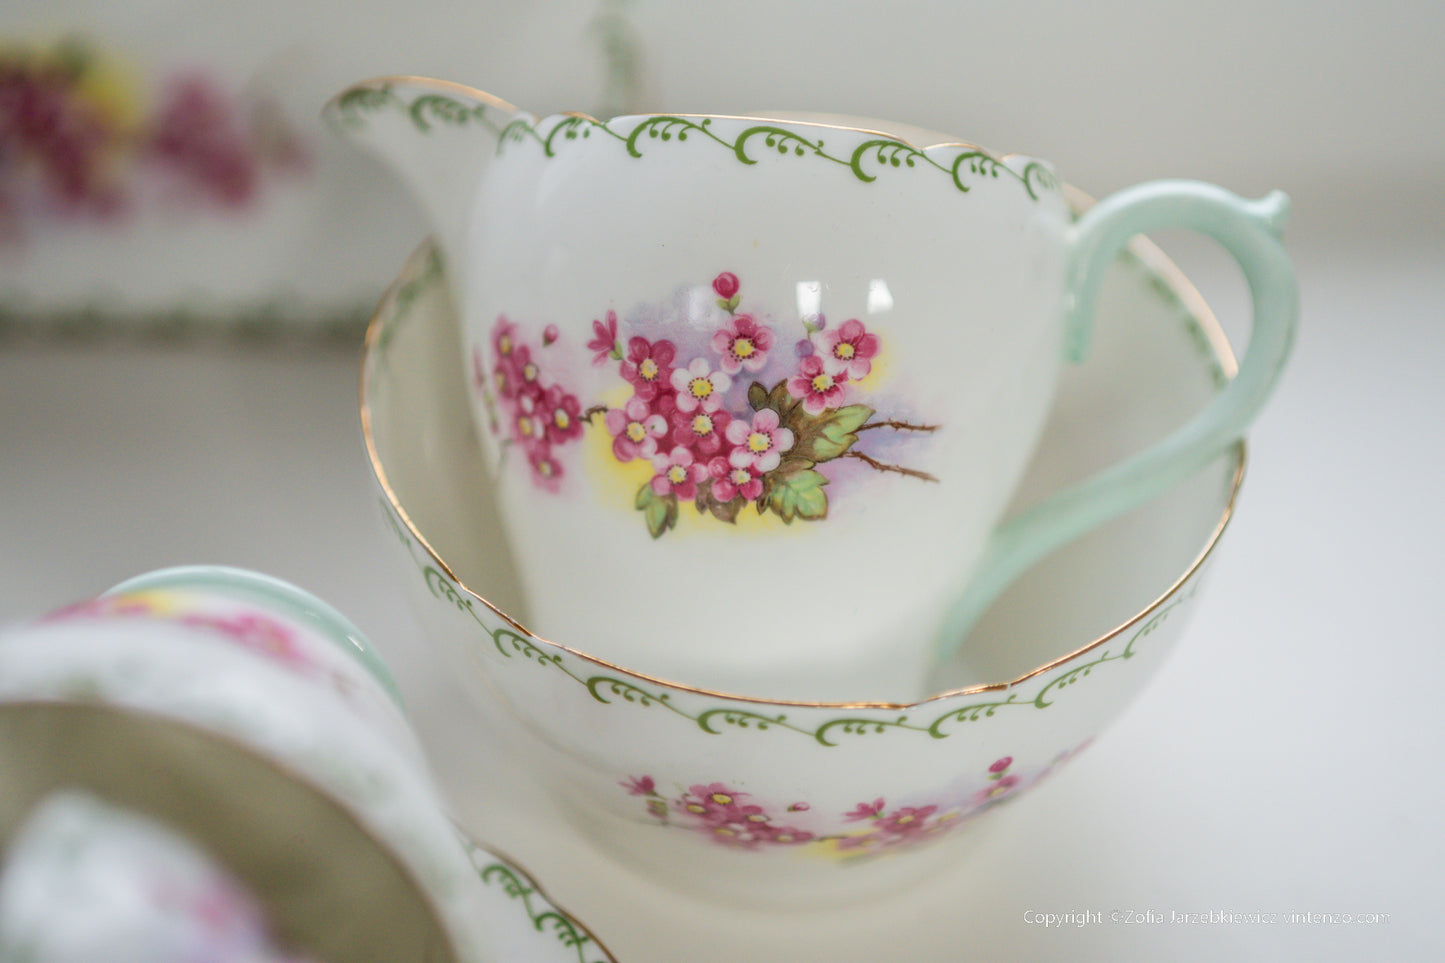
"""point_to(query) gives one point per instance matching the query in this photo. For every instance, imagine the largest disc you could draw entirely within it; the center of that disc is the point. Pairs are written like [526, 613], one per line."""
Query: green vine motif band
[866, 161]
[610, 690]
[567, 931]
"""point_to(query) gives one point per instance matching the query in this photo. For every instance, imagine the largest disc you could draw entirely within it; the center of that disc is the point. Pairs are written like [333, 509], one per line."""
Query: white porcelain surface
[625, 753]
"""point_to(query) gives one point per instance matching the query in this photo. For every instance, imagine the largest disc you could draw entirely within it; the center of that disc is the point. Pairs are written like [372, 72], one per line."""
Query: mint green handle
[1250, 231]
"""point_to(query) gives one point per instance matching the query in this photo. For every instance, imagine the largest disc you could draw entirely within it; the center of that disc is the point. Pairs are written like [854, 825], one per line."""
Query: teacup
[756, 391]
[257, 724]
[779, 803]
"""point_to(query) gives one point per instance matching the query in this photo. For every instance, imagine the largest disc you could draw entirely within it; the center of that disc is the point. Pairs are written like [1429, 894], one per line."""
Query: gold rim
[1141, 247]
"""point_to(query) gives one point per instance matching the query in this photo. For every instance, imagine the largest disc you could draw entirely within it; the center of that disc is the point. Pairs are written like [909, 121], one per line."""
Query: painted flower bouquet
[736, 819]
[712, 432]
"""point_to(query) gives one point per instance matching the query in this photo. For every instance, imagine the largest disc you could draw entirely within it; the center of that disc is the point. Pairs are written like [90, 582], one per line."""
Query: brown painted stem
[877, 465]
[898, 426]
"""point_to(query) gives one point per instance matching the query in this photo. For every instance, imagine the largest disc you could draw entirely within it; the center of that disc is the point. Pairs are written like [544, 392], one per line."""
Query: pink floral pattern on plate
[738, 820]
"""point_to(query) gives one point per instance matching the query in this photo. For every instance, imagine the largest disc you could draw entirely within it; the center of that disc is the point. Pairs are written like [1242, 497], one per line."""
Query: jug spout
[437, 137]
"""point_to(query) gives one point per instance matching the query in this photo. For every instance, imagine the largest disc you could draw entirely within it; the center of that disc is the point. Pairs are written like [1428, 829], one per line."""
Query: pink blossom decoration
[604, 341]
[726, 285]
[528, 374]
[506, 378]
[698, 386]
[1001, 788]
[635, 786]
[649, 366]
[761, 444]
[865, 811]
[907, 820]
[678, 473]
[848, 350]
[716, 802]
[550, 334]
[255, 632]
[701, 430]
[636, 429]
[729, 481]
[1001, 764]
[563, 415]
[504, 337]
[815, 386]
[528, 428]
[546, 469]
[743, 343]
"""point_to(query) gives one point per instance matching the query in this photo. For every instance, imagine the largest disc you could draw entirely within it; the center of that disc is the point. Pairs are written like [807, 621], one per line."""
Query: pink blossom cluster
[829, 361]
[909, 824]
[537, 415]
[728, 818]
[62, 150]
[676, 417]
[721, 812]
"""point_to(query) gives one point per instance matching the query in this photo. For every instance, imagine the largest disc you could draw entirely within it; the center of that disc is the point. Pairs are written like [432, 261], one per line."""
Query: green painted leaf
[660, 511]
[798, 494]
[724, 511]
[777, 398]
[828, 435]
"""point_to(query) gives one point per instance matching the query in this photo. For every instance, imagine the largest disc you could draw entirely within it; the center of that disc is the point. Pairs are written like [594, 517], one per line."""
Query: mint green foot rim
[1251, 231]
[268, 590]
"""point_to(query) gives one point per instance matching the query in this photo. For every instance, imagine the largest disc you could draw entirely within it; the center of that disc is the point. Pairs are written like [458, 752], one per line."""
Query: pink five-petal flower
[848, 350]
[636, 429]
[715, 803]
[742, 343]
[760, 445]
[907, 820]
[504, 337]
[529, 375]
[529, 427]
[1001, 788]
[866, 811]
[678, 473]
[815, 386]
[725, 284]
[546, 469]
[563, 415]
[506, 377]
[698, 386]
[604, 339]
[700, 430]
[729, 481]
[648, 366]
